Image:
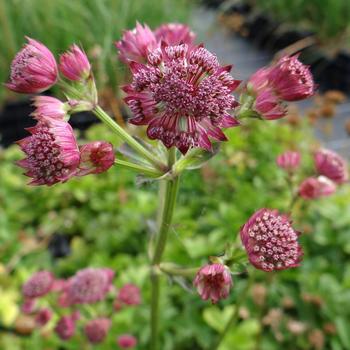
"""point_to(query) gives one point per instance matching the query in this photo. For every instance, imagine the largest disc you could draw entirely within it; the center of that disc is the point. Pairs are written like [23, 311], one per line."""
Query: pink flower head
[58, 285]
[316, 187]
[126, 341]
[331, 165]
[259, 80]
[38, 285]
[175, 34]
[95, 158]
[183, 95]
[65, 327]
[74, 64]
[213, 282]
[52, 152]
[43, 317]
[49, 107]
[96, 330]
[88, 286]
[270, 241]
[33, 70]
[28, 305]
[288, 160]
[269, 106]
[291, 79]
[129, 294]
[136, 43]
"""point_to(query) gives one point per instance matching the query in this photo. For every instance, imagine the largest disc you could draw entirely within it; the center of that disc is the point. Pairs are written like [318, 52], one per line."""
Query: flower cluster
[87, 287]
[287, 80]
[52, 153]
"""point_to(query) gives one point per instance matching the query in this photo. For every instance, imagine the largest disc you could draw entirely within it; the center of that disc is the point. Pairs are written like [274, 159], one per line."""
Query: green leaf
[216, 318]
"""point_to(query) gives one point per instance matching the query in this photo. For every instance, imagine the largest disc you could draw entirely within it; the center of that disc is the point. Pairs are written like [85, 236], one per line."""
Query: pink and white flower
[270, 241]
[316, 187]
[52, 152]
[33, 69]
[289, 160]
[183, 95]
[38, 285]
[129, 294]
[49, 107]
[213, 282]
[268, 105]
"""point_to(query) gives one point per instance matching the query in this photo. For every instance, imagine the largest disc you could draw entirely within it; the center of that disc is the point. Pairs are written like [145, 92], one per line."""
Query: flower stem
[139, 168]
[134, 144]
[171, 188]
[173, 270]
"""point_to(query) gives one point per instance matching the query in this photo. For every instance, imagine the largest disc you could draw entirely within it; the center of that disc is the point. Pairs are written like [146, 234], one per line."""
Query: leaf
[343, 331]
[217, 318]
[198, 158]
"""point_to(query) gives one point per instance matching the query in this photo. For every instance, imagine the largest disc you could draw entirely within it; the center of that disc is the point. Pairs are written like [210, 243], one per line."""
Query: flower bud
[269, 106]
[33, 70]
[65, 327]
[288, 160]
[213, 282]
[129, 294]
[96, 330]
[270, 241]
[74, 64]
[43, 317]
[49, 107]
[95, 158]
[316, 187]
[331, 165]
[38, 285]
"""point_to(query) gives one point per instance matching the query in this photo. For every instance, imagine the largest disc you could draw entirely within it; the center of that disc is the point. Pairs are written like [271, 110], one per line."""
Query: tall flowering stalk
[184, 97]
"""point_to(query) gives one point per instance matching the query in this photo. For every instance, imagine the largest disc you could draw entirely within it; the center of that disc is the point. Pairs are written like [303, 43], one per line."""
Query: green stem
[134, 144]
[174, 270]
[235, 314]
[171, 188]
[139, 168]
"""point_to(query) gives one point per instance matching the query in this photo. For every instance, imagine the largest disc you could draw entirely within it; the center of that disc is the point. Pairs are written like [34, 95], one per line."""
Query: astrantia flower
[268, 105]
[96, 330]
[259, 80]
[74, 64]
[33, 70]
[135, 44]
[291, 79]
[95, 158]
[332, 165]
[49, 107]
[316, 187]
[28, 305]
[65, 327]
[126, 341]
[88, 286]
[213, 282]
[43, 317]
[270, 241]
[52, 152]
[183, 95]
[288, 160]
[175, 34]
[129, 294]
[38, 285]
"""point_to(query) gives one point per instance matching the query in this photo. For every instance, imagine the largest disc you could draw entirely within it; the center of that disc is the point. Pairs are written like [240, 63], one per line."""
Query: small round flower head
[183, 95]
[316, 187]
[129, 294]
[213, 282]
[96, 330]
[95, 158]
[126, 341]
[288, 160]
[65, 327]
[291, 79]
[49, 107]
[28, 305]
[331, 165]
[43, 317]
[268, 105]
[74, 64]
[33, 70]
[270, 241]
[88, 286]
[52, 152]
[175, 34]
[136, 43]
[38, 285]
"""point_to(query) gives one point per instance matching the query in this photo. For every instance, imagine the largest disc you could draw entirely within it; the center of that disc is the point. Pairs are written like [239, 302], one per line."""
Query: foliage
[110, 228]
[95, 26]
